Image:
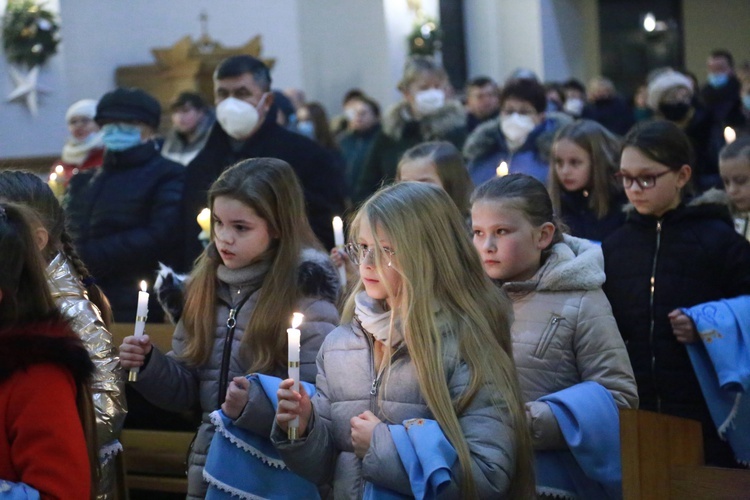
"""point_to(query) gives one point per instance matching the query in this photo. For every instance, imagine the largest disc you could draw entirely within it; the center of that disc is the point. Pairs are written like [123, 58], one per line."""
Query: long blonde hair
[270, 187]
[438, 265]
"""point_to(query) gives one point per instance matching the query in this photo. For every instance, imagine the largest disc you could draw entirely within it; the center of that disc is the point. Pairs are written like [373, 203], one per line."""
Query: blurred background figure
[296, 97]
[286, 113]
[671, 97]
[340, 123]
[191, 122]
[607, 107]
[84, 149]
[721, 95]
[312, 122]
[575, 97]
[482, 101]
[641, 111]
[555, 96]
[355, 142]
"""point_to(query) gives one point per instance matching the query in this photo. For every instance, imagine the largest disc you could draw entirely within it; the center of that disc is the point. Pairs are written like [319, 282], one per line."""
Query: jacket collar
[131, 157]
[434, 126]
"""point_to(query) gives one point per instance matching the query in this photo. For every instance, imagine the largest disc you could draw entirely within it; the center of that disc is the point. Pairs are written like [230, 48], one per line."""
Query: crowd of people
[522, 261]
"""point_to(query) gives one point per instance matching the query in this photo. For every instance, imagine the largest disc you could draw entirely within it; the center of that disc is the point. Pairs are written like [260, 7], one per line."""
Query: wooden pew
[662, 458]
[154, 460]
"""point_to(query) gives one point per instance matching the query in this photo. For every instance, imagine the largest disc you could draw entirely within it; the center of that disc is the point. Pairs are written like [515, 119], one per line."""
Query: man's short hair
[574, 84]
[479, 82]
[725, 54]
[239, 65]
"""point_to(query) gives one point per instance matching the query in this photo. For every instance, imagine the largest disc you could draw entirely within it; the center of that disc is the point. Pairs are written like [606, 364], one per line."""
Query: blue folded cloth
[427, 456]
[722, 364]
[589, 420]
[17, 491]
[241, 464]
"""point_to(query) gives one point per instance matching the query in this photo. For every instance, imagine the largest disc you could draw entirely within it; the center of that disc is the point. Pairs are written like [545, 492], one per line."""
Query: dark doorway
[629, 50]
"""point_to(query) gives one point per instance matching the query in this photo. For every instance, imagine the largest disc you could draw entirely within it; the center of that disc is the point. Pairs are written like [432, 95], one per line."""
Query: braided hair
[27, 188]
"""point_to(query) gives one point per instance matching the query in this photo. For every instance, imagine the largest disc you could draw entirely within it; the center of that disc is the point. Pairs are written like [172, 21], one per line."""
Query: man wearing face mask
[426, 113]
[670, 96]
[521, 136]
[721, 95]
[123, 216]
[247, 128]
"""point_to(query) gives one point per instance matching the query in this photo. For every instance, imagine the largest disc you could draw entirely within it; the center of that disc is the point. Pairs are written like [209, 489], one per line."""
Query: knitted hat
[129, 105]
[84, 107]
[663, 82]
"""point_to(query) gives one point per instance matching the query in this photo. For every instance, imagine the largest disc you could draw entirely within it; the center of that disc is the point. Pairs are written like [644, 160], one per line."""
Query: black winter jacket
[123, 219]
[689, 256]
[582, 220]
[322, 179]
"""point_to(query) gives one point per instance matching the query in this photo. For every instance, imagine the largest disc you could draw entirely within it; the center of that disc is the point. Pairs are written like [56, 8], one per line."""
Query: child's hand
[291, 405]
[683, 327]
[134, 350]
[237, 397]
[362, 427]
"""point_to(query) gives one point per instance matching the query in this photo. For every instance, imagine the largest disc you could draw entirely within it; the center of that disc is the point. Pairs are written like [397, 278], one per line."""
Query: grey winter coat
[347, 386]
[169, 383]
[564, 333]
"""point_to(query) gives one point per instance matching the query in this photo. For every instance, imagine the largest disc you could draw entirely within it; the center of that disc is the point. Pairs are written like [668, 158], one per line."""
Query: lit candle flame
[502, 169]
[144, 286]
[297, 319]
[52, 177]
[204, 219]
[729, 135]
[59, 169]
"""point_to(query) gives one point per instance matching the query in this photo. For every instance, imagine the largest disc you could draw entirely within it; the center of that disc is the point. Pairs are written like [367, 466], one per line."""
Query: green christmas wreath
[30, 33]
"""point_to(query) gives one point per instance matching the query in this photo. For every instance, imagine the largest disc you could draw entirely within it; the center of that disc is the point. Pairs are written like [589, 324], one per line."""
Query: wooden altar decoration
[185, 66]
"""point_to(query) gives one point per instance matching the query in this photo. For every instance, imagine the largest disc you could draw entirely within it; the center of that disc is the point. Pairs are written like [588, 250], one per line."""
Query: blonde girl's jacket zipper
[651, 313]
[377, 376]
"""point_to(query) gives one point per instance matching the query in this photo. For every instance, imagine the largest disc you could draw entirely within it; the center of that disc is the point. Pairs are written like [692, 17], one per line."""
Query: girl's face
[735, 173]
[378, 284]
[664, 195]
[240, 235]
[572, 165]
[420, 170]
[508, 244]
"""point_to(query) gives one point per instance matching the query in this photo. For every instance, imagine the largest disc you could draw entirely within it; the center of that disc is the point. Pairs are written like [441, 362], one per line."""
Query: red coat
[42, 444]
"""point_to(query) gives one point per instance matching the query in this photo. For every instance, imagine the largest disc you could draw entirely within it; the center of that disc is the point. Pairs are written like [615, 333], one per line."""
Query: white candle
[729, 135]
[141, 314]
[293, 340]
[502, 169]
[338, 238]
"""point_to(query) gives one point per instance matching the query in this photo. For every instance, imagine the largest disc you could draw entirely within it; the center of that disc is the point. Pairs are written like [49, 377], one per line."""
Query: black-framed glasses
[359, 253]
[644, 181]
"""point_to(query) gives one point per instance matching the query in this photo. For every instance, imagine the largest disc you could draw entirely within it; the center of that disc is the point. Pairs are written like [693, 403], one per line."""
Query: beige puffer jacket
[564, 333]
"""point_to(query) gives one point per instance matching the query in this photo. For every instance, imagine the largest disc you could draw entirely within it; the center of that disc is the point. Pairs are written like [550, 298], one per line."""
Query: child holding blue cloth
[425, 335]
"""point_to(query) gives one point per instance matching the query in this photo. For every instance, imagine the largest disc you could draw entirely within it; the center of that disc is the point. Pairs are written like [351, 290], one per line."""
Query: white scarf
[376, 320]
[76, 151]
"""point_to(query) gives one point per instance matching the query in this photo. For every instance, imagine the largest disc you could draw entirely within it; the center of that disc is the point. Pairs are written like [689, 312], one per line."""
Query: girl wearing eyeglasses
[425, 336]
[671, 253]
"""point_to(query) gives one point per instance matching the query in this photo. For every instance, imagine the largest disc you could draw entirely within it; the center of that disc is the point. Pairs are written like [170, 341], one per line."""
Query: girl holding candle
[83, 304]
[263, 263]
[418, 311]
[671, 253]
[563, 332]
[582, 185]
[48, 439]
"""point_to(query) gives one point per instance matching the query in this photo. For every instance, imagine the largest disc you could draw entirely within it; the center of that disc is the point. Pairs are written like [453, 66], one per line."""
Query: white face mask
[429, 101]
[237, 118]
[516, 127]
[573, 106]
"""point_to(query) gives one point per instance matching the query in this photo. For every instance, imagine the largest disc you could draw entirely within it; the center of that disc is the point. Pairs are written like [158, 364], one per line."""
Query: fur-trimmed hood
[50, 341]
[488, 138]
[575, 264]
[435, 126]
[317, 276]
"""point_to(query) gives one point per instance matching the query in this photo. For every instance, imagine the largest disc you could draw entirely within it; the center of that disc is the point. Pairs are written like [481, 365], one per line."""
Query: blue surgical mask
[307, 129]
[746, 101]
[120, 136]
[717, 79]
